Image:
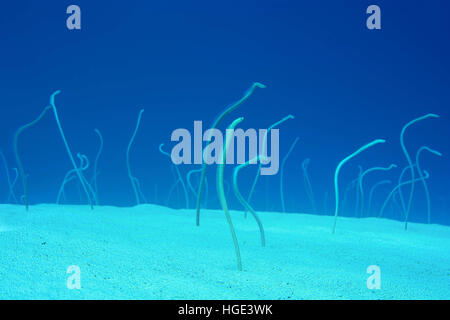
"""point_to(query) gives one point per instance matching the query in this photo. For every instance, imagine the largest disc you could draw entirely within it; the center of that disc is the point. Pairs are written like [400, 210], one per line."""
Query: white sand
[152, 252]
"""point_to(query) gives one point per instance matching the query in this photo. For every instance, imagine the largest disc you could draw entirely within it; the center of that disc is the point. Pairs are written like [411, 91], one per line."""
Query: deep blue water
[184, 61]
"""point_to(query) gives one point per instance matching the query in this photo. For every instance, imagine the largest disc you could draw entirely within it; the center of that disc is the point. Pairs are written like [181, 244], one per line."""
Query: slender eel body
[16, 153]
[336, 175]
[214, 126]
[221, 192]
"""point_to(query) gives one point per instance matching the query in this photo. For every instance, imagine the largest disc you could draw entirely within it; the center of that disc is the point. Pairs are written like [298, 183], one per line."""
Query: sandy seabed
[154, 252]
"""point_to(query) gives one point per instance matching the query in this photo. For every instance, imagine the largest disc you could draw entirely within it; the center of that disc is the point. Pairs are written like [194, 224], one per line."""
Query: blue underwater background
[183, 61]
